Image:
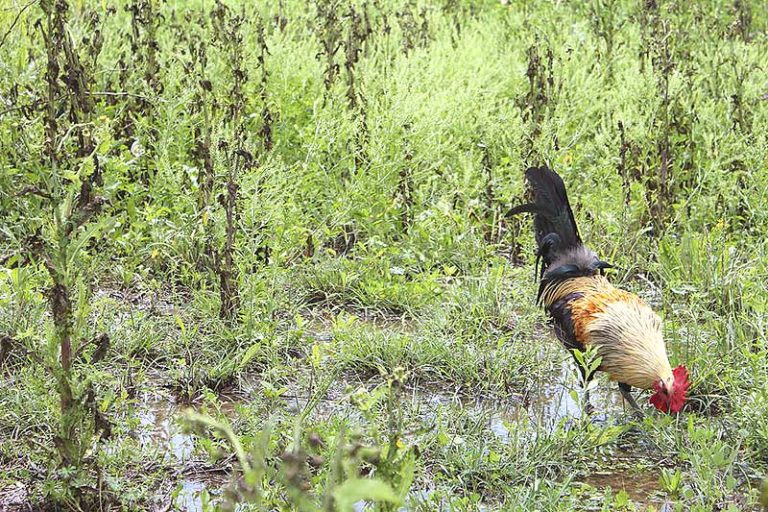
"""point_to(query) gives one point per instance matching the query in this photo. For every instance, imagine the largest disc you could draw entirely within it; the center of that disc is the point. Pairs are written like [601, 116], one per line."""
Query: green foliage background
[392, 206]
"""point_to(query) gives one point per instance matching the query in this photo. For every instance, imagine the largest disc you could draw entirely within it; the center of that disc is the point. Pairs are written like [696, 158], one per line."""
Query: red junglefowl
[587, 311]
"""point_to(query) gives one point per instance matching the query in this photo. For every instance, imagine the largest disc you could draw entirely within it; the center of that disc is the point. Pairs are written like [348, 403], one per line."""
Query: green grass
[387, 327]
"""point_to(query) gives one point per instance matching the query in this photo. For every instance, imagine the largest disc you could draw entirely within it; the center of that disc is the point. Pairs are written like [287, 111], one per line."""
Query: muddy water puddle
[539, 411]
[159, 430]
[190, 493]
[641, 487]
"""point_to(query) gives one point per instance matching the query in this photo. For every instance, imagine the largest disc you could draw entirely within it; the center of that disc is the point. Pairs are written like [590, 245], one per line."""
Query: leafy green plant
[340, 491]
[588, 362]
[62, 207]
[671, 480]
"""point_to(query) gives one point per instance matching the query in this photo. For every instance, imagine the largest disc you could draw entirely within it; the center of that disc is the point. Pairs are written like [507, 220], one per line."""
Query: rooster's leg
[626, 393]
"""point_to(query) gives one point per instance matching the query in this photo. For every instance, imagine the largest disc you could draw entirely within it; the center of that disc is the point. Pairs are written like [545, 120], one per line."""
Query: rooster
[587, 311]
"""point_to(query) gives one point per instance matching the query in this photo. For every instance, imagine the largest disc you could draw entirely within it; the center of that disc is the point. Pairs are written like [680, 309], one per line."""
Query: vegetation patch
[257, 256]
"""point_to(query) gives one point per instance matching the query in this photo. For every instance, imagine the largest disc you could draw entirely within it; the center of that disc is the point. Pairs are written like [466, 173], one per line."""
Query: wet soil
[642, 487]
[543, 408]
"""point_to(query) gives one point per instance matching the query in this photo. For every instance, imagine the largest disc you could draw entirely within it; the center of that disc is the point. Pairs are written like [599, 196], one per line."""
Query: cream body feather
[625, 331]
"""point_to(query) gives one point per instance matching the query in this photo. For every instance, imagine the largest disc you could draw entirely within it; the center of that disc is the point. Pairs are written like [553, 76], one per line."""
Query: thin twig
[32, 105]
[120, 94]
[15, 21]
[33, 190]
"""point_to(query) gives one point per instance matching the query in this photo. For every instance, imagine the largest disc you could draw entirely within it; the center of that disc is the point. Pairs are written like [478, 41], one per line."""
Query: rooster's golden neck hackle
[587, 311]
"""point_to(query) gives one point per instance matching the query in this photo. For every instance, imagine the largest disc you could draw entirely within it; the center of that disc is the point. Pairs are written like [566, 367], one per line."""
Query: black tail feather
[554, 223]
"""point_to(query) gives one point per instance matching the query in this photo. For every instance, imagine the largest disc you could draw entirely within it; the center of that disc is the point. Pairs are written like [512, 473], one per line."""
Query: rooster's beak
[668, 385]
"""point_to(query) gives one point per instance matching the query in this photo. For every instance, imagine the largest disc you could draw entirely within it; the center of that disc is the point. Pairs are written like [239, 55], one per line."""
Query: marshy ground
[257, 257]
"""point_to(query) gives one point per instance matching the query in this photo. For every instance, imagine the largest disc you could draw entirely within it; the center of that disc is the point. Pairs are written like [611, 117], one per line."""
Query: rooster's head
[669, 394]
